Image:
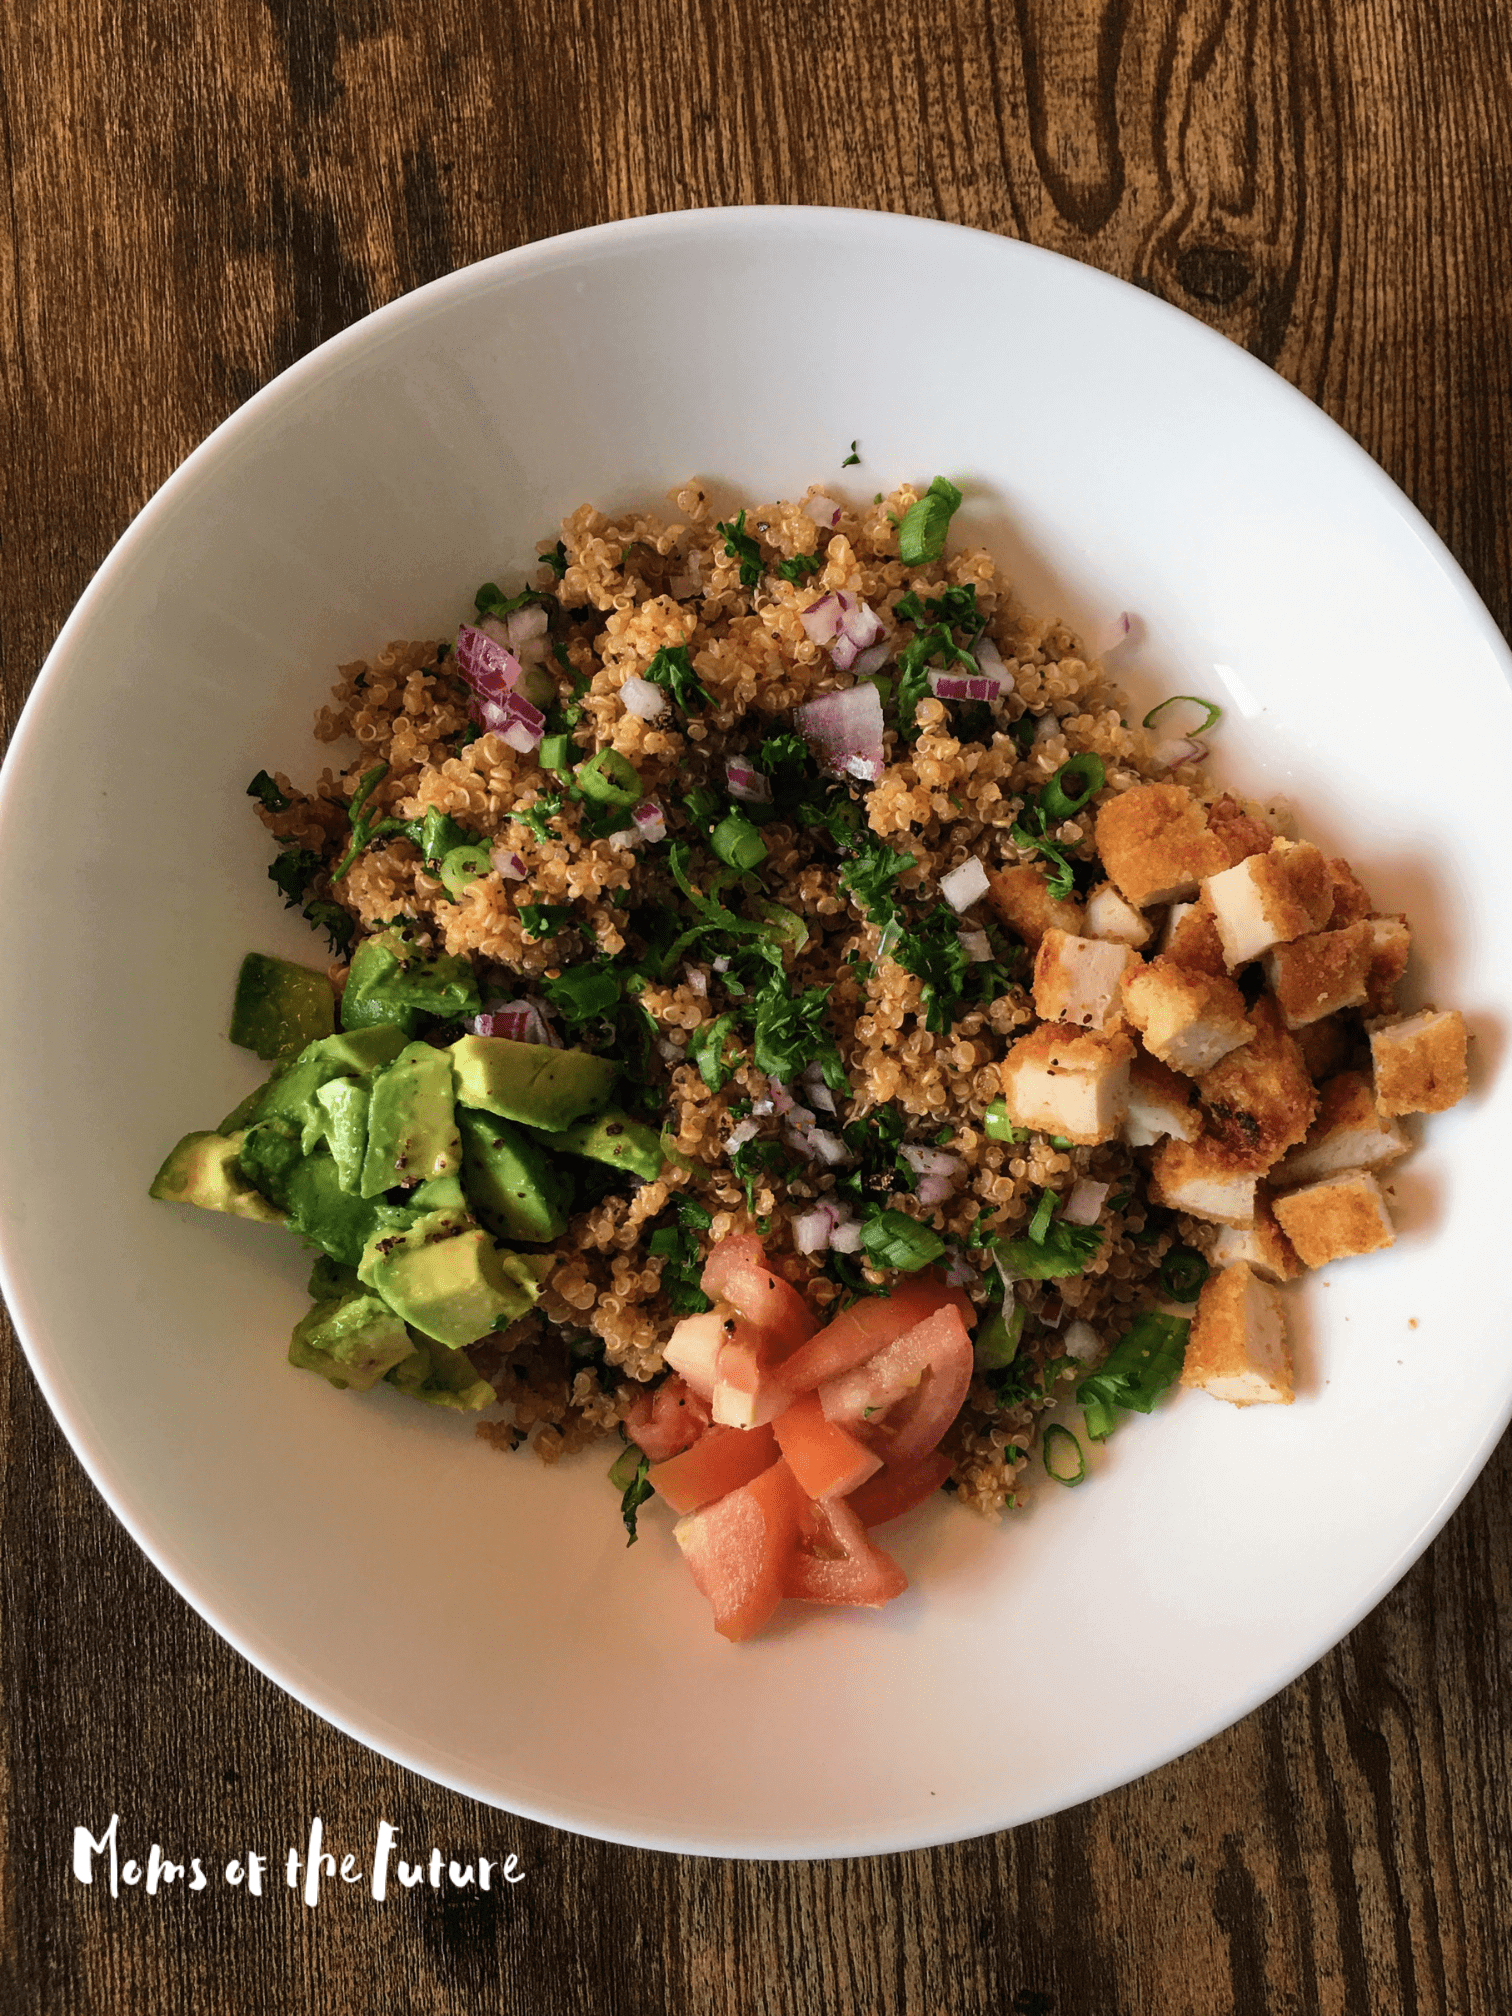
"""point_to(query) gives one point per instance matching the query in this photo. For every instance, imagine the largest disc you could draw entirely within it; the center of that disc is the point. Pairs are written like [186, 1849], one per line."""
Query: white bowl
[476, 1617]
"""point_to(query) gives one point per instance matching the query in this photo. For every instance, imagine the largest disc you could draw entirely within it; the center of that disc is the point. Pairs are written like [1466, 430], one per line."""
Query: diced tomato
[828, 1462]
[835, 1562]
[719, 1461]
[693, 1348]
[894, 1491]
[860, 1331]
[668, 1419]
[906, 1395]
[736, 1272]
[740, 1548]
[747, 1392]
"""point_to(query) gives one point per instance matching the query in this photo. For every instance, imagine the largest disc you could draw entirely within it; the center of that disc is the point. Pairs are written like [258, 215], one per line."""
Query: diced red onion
[934, 1190]
[743, 1131]
[844, 730]
[817, 1091]
[846, 1237]
[1081, 1341]
[965, 885]
[860, 627]
[698, 980]
[508, 864]
[991, 664]
[492, 626]
[1113, 634]
[720, 965]
[872, 659]
[513, 719]
[965, 686]
[520, 1021]
[1085, 1203]
[648, 824]
[747, 783]
[830, 1149]
[959, 1271]
[682, 587]
[487, 665]
[822, 619]
[645, 701]
[1185, 750]
[930, 1161]
[975, 944]
[811, 1232]
[822, 511]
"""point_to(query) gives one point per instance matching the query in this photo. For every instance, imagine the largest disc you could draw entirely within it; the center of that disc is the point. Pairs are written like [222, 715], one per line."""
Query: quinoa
[952, 789]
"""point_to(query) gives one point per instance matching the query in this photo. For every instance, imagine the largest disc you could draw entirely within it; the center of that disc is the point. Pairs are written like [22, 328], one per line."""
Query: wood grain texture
[193, 193]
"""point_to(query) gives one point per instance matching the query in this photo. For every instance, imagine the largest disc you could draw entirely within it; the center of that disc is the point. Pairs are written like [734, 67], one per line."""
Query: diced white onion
[822, 511]
[682, 587]
[1184, 749]
[846, 1237]
[811, 1232]
[1047, 729]
[1081, 1341]
[697, 979]
[1085, 1203]
[975, 944]
[743, 1131]
[830, 1149]
[965, 885]
[930, 1161]
[817, 1092]
[526, 623]
[645, 701]
[991, 663]
[934, 1190]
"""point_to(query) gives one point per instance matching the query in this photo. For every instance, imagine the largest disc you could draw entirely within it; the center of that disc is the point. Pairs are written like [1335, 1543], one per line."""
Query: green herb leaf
[490, 599]
[536, 818]
[544, 920]
[339, 925]
[1142, 1364]
[1064, 1249]
[293, 872]
[706, 1050]
[932, 950]
[998, 1127]
[672, 668]
[556, 559]
[267, 793]
[739, 545]
[637, 1492]
[583, 993]
[894, 1240]
[1182, 1273]
[921, 536]
[851, 458]
[799, 568]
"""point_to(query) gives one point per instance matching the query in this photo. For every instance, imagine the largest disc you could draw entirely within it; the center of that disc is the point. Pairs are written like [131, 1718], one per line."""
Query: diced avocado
[352, 1341]
[511, 1182]
[441, 1375]
[442, 1193]
[616, 1139]
[309, 1189]
[530, 1082]
[389, 981]
[292, 1098]
[329, 1280]
[280, 1007]
[345, 1103]
[243, 1114]
[412, 1127]
[361, 1050]
[447, 1277]
[204, 1170]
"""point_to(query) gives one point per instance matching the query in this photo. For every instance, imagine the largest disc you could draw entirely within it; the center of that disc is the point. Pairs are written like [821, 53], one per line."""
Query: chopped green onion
[998, 1127]
[622, 1470]
[1182, 1273]
[1044, 1211]
[737, 843]
[1213, 713]
[556, 752]
[921, 536]
[1063, 1455]
[997, 1341]
[1142, 1364]
[462, 866]
[1083, 776]
[892, 1239]
[609, 778]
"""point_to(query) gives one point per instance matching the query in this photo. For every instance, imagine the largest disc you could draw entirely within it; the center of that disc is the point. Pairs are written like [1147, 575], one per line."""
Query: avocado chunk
[309, 1189]
[442, 1193]
[447, 1278]
[530, 1082]
[412, 1128]
[388, 981]
[616, 1139]
[441, 1375]
[345, 1102]
[352, 1341]
[329, 1280]
[510, 1182]
[280, 1007]
[360, 1050]
[204, 1170]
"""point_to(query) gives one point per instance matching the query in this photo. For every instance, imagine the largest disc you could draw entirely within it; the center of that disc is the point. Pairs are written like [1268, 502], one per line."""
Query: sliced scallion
[1073, 785]
[997, 1341]
[1044, 1211]
[1182, 1273]
[1063, 1455]
[1214, 713]
[737, 843]
[610, 779]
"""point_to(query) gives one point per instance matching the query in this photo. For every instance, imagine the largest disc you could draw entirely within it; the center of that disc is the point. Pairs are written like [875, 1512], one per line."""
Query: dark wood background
[193, 193]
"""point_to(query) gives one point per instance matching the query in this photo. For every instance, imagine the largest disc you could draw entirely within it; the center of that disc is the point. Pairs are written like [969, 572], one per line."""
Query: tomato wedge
[693, 1348]
[894, 1491]
[668, 1419]
[835, 1562]
[737, 1272]
[827, 1461]
[860, 1331]
[719, 1461]
[739, 1549]
[905, 1396]
[747, 1393]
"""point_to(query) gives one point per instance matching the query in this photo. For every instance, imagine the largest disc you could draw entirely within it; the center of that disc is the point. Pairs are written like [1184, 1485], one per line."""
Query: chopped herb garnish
[754, 1159]
[1050, 1249]
[637, 1491]
[706, 1050]
[921, 536]
[853, 457]
[933, 952]
[536, 817]
[1142, 1364]
[1182, 1273]
[676, 1245]
[267, 793]
[491, 600]
[556, 559]
[1044, 1211]
[894, 1240]
[955, 607]
[998, 1337]
[583, 993]
[799, 568]
[544, 920]
[1063, 1455]
[1072, 786]
[339, 925]
[998, 1127]
[672, 668]
[293, 872]
[739, 545]
[790, 1033]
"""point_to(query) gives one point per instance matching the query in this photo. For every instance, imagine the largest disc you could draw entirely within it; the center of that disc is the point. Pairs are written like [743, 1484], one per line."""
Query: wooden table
[193, 193]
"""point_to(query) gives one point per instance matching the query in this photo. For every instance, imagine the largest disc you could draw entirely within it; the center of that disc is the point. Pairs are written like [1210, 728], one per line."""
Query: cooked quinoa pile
[780, 959]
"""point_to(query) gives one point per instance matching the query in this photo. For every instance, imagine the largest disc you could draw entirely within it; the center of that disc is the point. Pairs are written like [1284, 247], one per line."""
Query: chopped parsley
[535, 817]
[934, 646]
[556, 559]
[851, 458]
[676, 1245]
[956, 607]
[739, 545]
[755, 1159]
[932, 951]
[583, 993]
[491, 600]
[293, 872]
[1142, 1364]
[637, 1491]
[267, 793]
[544, 920]
[339, 925]
[799, 568]
[673, 669]
[706, 1050]
[790, 1033]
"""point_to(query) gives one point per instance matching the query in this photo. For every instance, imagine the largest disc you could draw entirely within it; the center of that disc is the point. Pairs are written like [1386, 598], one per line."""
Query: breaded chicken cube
[1420, 1062]
[1336, 1219]
[1021, 897]
[1262, 1246]
[1238, 833]
[1190, 1020]
[1348, 1133]
[1199, 1177]
[1073, 1083]
[1260, 1100]
[1160, 1103]
[1270, 899]
[1191, 937]
[1391, 943]
[1109, 916]
[1237, 1349]
[1154, 842]
[1325, 1047]
[1080, 979]
[1352, 904]
[1321, 973]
